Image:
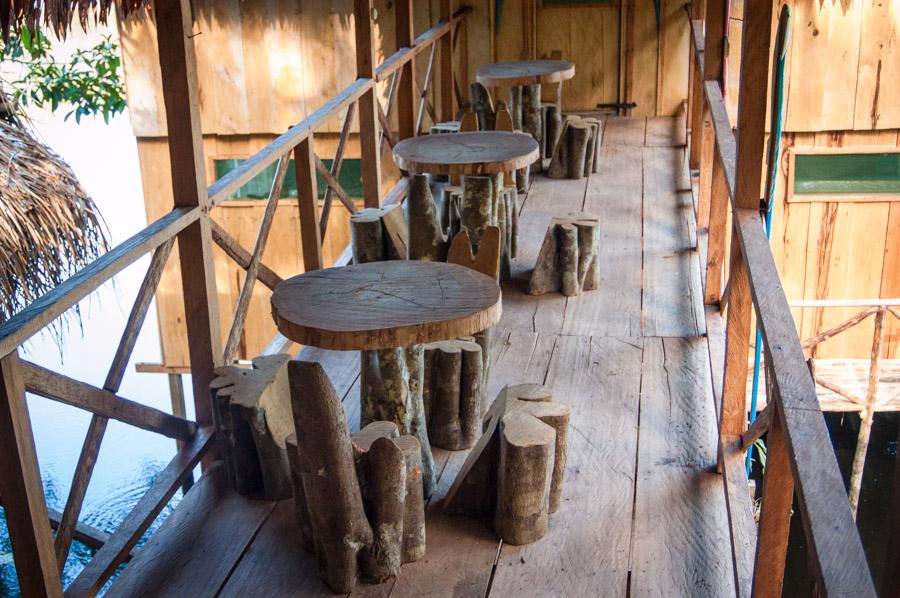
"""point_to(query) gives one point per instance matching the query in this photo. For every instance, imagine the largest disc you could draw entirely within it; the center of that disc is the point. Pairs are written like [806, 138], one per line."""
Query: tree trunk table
[388, 310]
[481, 199]
[524, 79]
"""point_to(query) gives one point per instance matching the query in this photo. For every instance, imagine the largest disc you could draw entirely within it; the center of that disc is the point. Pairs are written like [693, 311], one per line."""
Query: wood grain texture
[676, 455]
[22, 490]
[586, 374]
[672, 291]
[210, 518]
[525, 72]
[383, 305]
[478, 152]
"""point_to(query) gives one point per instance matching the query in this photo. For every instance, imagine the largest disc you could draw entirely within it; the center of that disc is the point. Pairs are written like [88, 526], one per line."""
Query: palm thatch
[49, 227]
[59, 15]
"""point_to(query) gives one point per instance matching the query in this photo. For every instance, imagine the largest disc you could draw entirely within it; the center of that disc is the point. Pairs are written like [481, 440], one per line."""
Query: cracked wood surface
[382, 305]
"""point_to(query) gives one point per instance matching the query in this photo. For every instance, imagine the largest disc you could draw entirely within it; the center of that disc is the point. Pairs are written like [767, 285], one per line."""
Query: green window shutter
[847, 173]
[258, 187]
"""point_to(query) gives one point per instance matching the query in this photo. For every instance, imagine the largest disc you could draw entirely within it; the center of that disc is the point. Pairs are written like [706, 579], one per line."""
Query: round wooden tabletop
[485, 152]
[382, 305]
[525, 72]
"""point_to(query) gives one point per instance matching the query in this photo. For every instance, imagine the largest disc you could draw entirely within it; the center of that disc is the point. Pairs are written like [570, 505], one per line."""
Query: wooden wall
[843, 68]
[841, 91]
[838, 250]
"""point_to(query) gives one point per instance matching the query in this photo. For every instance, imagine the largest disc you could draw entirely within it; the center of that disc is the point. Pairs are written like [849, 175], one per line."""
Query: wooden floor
[643, 512]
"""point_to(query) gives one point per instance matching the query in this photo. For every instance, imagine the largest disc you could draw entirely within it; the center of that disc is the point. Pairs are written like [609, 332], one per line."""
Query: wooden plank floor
[643, 511]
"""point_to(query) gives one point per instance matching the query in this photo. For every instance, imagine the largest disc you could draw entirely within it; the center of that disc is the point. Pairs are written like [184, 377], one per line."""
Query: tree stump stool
[568, 259]
[515, 471]
[576, 154]
[252, 413]
[454, 387]
[385, 309]
[357, 498]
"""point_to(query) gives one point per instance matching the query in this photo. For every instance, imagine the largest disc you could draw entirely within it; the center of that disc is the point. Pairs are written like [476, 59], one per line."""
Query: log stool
[252, 413]
[577, 152]
[524, 79]
[568, 259]
[358, 499]
[483, 199]
[515, 471]
[387, 309]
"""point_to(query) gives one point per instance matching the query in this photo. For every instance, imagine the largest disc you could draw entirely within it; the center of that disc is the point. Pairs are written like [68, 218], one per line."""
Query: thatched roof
[49, 227]
[59, 15]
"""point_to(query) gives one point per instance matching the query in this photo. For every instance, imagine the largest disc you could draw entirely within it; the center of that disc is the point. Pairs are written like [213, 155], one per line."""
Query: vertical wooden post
[714, 42]
[737, 346]
[308, 200]
[697, 101]
[22, 490]
[179, 82]
[868, 414]
[775, 514]
[447, 108]
[752, 103]
[369, 128]
[706, 138]
[715, 241]
[748, 192]
[406, 89]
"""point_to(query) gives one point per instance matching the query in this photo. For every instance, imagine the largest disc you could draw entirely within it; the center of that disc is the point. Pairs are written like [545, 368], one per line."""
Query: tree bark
[251, 409]
[301, 510]
[385, 497]
[414, 502]
[477, 201]
[515, 107]
[482, 106]
[426, 237]
[527, 451]
[568, 259]
[454, 378]
[337, 517]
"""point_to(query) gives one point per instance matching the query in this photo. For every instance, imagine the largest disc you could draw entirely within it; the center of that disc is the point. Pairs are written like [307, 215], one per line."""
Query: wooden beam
[868, 414]
[446, 69]
[726, 146]
[181, 97]
[834, 331]
[336, 165]
[122, 541]
[758, 428]
[775, 515]
[259, 247]
[369, 136]
[51, 385]
[23, 493]
[753, 102]
[241, 256]
[308, 201]
[423, 95]
[718, 228]
[714, 41]
[737, 345]
[836, 553]
[334, 185]
[406, 90]
[54, 303]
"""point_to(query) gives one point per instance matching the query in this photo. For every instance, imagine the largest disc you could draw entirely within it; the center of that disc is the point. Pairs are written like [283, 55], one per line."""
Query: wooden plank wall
[843, 67]
[843, 56]
[838, 250]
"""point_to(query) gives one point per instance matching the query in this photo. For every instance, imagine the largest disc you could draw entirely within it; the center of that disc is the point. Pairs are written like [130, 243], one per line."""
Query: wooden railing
[39, 558]
[800, 460]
